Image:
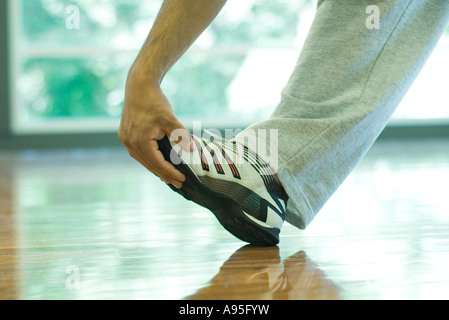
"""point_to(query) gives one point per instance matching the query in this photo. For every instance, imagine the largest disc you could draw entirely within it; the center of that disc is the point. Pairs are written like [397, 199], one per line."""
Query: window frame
[48, 126]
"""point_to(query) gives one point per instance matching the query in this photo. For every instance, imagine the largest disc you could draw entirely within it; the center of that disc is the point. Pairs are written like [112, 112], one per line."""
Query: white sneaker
[235, 184]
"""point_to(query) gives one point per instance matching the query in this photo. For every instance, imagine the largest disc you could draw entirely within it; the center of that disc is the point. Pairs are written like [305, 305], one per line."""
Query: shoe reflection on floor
[258, 273]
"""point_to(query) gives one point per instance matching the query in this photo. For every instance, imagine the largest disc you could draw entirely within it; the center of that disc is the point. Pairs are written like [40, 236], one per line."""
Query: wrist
[145, 74]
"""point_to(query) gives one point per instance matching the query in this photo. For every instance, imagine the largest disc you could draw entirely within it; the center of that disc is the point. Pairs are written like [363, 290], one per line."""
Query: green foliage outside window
[91, 84]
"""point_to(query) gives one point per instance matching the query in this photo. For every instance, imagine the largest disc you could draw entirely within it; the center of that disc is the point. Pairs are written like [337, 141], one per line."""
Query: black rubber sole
[227, 211]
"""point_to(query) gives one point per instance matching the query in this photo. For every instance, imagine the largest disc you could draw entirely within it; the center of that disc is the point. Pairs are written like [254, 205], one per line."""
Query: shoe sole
[227, 211]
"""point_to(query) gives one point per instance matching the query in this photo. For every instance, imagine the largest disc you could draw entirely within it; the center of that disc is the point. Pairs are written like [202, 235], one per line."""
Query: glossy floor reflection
[254, 273]
[93, 224]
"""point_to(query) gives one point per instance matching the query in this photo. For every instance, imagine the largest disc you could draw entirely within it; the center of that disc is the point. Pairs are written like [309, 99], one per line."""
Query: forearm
[178, 24]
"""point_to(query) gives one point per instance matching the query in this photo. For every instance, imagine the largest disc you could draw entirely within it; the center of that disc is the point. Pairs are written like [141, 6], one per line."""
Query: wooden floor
[92, 224]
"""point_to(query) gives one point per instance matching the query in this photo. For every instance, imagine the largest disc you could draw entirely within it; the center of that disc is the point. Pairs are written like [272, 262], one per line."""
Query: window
[68, 74]
[427, 101]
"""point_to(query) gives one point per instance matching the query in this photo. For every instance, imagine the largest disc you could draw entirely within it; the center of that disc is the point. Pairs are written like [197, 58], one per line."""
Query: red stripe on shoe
[201, 154]
[217, 164]
[231, 164]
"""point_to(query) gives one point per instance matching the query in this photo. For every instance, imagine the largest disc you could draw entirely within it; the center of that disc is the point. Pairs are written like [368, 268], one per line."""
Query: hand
[147, 118]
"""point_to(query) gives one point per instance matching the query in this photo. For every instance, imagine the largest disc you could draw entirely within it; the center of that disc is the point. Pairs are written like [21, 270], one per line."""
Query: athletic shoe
[235, 184]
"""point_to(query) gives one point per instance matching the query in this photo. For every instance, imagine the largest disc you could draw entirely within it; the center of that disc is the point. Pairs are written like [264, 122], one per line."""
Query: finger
[165, 179]
[174, 183]
[178, 133]
[148, 154]
[159, 163]
[151, 157]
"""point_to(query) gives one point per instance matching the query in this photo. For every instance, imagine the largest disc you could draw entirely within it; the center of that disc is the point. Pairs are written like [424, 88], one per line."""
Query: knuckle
[121, 137]
[125, 139]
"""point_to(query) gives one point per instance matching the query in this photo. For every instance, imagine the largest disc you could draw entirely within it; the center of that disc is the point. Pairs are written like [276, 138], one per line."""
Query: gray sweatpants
[348, 81]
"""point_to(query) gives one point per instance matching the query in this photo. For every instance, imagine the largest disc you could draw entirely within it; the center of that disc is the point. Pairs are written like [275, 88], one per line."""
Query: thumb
[178, 133]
